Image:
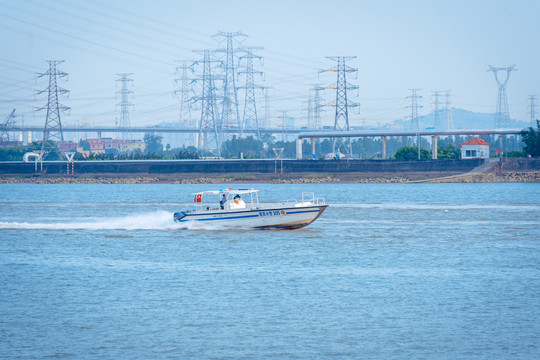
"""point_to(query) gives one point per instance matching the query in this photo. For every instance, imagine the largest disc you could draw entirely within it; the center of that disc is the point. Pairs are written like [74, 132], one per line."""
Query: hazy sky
[429, 45]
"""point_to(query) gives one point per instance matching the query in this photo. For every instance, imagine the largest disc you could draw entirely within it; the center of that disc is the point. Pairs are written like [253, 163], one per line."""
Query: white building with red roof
[475, 148]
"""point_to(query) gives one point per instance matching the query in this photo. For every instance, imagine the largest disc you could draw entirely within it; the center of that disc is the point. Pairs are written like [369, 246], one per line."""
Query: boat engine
[179, 215]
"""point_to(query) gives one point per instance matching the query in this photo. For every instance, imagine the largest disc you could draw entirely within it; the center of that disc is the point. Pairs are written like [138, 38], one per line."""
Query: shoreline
[517, 176]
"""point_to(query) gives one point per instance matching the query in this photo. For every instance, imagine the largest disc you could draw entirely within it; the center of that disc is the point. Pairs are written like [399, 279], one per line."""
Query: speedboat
[241, 209]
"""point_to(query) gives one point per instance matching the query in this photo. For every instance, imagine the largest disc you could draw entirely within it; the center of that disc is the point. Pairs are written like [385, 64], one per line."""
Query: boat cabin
[228, 199]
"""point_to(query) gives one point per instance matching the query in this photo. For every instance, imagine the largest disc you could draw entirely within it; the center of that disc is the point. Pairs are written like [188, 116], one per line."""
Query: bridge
[301, 133]
[185, 130]
[384, 134]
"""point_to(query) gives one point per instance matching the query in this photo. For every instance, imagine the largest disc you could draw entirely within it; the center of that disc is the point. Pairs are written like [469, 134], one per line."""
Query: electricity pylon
[502, 114]
[449, 120]
[184, 93]
[532, 109]
[414, 115]
[436, 108]
[210, 128]
[414, 108]
[316, 106]
[342, 104]
[229, 113]
[52, 131]
[124, 124]
[250, 120]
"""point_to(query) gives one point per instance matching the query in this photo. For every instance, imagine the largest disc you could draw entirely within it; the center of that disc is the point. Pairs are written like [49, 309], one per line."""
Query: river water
[388, 271]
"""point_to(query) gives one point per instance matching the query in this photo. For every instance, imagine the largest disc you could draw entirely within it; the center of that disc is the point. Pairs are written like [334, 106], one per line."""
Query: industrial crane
[7, 125]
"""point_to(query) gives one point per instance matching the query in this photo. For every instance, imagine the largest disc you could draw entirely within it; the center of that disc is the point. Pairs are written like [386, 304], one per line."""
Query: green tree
[448, 152]
[16, 153]
[249, 146]
[411, 153]
[153, 144]
[531, 138]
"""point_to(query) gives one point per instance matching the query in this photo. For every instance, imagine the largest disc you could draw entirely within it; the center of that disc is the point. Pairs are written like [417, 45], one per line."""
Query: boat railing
[308, 198]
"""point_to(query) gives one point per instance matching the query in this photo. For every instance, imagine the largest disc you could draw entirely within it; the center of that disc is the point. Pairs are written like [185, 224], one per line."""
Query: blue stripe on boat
[222, 218]
[246, 216]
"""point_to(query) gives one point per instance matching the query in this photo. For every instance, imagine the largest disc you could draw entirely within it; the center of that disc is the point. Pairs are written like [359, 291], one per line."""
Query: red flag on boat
[198, 198]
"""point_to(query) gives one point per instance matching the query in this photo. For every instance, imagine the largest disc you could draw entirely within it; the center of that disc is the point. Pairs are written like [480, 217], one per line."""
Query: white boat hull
[256, 218]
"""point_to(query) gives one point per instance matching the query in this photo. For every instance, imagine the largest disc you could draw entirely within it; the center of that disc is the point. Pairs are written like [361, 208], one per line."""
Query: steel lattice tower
[266, 123]
[342, 104]
[414, 108]
[309, 111]
[283, 124]
[209, 113]
[184, 94]
[449, 120]
[52, 132]
[436, 108]
[414, 114]
[124, 123]
[229, 113]
[532, 109]
[250, 120]
[502, 115]
[316, 106]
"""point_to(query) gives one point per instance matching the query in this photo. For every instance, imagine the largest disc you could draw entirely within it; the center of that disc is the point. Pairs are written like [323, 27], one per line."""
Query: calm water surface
[447, 271]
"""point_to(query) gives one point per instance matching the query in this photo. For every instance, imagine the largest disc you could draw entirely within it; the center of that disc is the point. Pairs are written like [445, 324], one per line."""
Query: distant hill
[463, 119]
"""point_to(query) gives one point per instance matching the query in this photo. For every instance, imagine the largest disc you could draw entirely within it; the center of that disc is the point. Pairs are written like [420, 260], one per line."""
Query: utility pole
[124, 124]
[250, 120]
[342, 104]
[502, 114]
[532, 109]
[52, 131]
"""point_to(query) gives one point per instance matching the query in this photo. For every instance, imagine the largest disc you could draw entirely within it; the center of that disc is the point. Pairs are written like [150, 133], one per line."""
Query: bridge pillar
[313, 156]
[298, 149]
[383, 153]
[434, 139]
[501, 145]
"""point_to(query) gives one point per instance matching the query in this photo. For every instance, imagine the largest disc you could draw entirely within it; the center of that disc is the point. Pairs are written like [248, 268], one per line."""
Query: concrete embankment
[496, 170]
[286, 171]
[223, 167]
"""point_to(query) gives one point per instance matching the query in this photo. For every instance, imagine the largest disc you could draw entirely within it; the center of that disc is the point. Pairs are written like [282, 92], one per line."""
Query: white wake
[157, 220]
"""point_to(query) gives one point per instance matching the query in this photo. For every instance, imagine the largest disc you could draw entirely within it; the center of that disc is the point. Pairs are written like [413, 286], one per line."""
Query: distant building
[68, 146]
[109, 146]
[132, 145]
[475, 148]
[10, 143]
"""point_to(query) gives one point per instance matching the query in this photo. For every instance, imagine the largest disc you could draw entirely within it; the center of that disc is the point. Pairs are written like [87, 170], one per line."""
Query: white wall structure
[475, 148]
